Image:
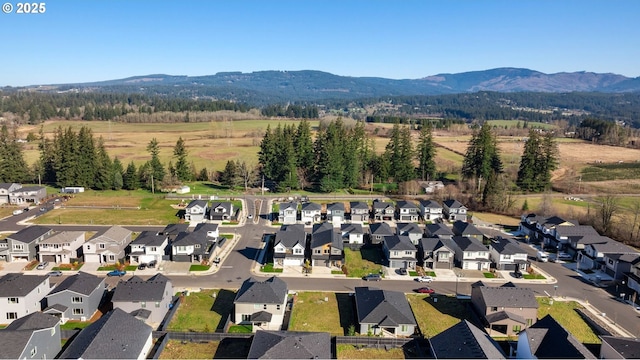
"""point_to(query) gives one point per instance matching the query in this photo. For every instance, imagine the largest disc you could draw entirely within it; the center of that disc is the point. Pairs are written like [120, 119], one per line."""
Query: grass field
[201, 311]
[337, 312]
[435, 317]
[514, 123]
[346, 351]
[227, 349]
[564, 313]
[363, 262]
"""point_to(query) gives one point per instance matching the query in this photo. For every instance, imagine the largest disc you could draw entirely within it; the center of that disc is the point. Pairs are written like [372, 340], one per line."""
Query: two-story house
[352, 234]
[382, 210]
[23, 245]
[453, 210]
[359, 212]
[28, 195]
[463, 228]
[4, 250]
[6, 189]
[436, 253]
[378, 232]
[76, 297]
[336, 213]
[149, 300]
[261, 303]
[33, 336]
[620, 264]
[383, 312]
[289, 246]
[592, 257]
[545, 229]
[407, 211]
[438, 230]
[196, 211]
[21, 295]
[547, 339]
[287, 213]
[148, 246]
[615, 347]
[326, 246]
[192, 247]
[412, 230]
[221, 211]
[465, 341]
[471, 254]
[399, 252]
[633, 278]
[310, 213]
[563, 234]
[506, 310]
[507, 254]
[107, 247]
[430, 210]
[61, 247]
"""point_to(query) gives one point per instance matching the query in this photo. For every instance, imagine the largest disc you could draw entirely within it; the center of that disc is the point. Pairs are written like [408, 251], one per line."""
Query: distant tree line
[602, 132]
[291, 111]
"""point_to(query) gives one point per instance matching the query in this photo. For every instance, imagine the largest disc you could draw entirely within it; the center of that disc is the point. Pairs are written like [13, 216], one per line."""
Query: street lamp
[555, 290]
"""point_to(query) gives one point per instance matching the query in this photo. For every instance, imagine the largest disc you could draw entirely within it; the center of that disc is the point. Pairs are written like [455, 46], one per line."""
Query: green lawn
[228, 349]
[489, 275]
[363, 262]
[346, 351]
[337, 312]
[564, 312]
[201, 311]
[533, 277]
[72, 325]
[241, 329]
[435, 317]
[197, 267]
[268, 268]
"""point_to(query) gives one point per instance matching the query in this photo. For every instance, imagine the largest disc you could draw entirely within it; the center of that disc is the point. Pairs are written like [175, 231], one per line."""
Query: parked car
[425, 290]
[402, 271]
[517, 274]
[250, 216]
[142, 266]
[372, 277]
[542, 256]
[42, 265]
[564, 256]
[152, 264]
[55, 273]
[426, 279]
[17, 212]
[42, 209]
[117, 273]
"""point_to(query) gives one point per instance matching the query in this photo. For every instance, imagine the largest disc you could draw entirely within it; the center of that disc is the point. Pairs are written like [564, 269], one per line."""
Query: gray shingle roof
[612, 247]
[503, 315]
[381, 205]
[465, 341]
[190, 238]
[116, 335]
[271, 291]
[285, 205]
[311, 206]
[575, 230]
[409, 228]
[434, 244]
[113, 234]
[226, 205]
[28, 235]
[399, 243]
[438, 230]
[193, 203]
[549, 340]
[13, 342]
[453, 204]
[18, 284]
[352, 228]
[290, 235]
[629, 348]
[34, 321]
[206, 227]
[358, 205]
[430, 204]
[290, 345]
[506, 246]
[81, 283]
[323, 234]
[469, 244]
[173, 229]
[337, 206]
[374, 306]
[463, 228]
[380, 229]
[137, 290]
[149, 238]
[404, 204]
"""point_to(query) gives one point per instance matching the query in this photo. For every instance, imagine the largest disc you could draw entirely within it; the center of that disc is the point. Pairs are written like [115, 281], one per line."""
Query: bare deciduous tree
[608, 208]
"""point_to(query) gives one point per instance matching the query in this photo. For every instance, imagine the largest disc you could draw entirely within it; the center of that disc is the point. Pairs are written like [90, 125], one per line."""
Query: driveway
[175, 268]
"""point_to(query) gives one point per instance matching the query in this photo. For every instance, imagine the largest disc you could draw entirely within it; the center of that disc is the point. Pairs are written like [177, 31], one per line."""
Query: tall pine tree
[426, 153]
[482, 160]
[183, 172]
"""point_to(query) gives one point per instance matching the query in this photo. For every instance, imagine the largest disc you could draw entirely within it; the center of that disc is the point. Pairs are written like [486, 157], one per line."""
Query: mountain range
[311, 85]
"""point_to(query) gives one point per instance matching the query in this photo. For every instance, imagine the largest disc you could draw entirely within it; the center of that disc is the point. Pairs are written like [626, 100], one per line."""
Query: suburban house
[383, 312]
[465, 341]
[28, 195]
[578, 243]
[614, 347]
[407, 211]
[507, 254]
[221, 211]
[412, 230]
[379, 231]
[439, 230]
[108, 247]
[326, 246]
[633, 278]
[336, 213]
[61, 247]
[399, 251]
[172, 230]
[429, 187]
[116, 334]
[359, 211]
[72, 189]
[148, 300]
[261, 303]
[547, 339]
[545, 229]
[471, 254]
[453, 210]
[618, 265]
[23, 245]
[463, 228]
[33, 336]
[505, 310]
[287, 213]
[210, 230]
[290, 345]
[4, 250]
[562, 235]
[310, 213]
[192, 247]
[528, 225]
[148, 246]
[436, 253]
[76, 297]
[289, 246]
[6, 189]
[352, 234]
[196, 211]
[21, 295]
[430, 210]
[383, 210]
[592, 257]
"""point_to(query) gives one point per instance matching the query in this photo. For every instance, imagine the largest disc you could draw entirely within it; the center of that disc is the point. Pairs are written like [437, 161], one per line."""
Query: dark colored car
[425, 290]
[152, 264]
[142, 266]
[117, 273]
[402, 271]
[372, 277]
[517, 274]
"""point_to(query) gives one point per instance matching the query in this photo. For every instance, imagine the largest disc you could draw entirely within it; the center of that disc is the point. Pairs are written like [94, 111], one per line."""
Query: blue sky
[91, 40]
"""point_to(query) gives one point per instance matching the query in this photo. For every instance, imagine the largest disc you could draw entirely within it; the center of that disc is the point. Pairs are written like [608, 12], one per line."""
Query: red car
[425, 290]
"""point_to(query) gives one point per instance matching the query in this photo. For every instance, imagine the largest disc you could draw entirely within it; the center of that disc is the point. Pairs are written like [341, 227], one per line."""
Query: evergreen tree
[87, 162]
[183, 173]
[229, 176]
[103, 168]
[65, 158]
[267, 154]
[118, 173]
[426, 153]
[304, 146]
[13, 167]
[203, 175]
[130, 179]
[482, 160]
[329, 157]
[45, 168]
[538, 160]
[157, 171]
[399, 151]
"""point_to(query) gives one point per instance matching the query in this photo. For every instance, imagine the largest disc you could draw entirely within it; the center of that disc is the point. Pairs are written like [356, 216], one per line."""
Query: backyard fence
[167, 318]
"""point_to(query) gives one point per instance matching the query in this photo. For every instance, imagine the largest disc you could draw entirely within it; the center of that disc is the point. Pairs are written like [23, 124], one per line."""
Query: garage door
[508, 266]
[49, 258]
[292, 262]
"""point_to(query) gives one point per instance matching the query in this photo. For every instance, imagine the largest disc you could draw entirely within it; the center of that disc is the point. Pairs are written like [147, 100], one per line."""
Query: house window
[197, 246]
[317, 251]
[395, 253]
[34, 351]
[494, 308]
[157, 304]
[278, 307]
[76, 300]
[256, 306]
[112, 257]
[88, 247]
[246, 317]
[101, 246]
[403, 328]
[516, 328]
[297, 251]
[264, 307]
[610, 262]
[529, 322]
[326, 251]
[153, 248]
[12, 315]
[18, 247]
[13, 300]
[506, 257]
[78, 311]
[143, 304]
[408, 252]
[443, 255]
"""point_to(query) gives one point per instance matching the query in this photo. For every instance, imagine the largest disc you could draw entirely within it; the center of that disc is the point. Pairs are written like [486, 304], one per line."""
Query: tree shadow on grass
[451, 306]
[232, 348]
[372, 253]
[223, 306]
[346, 309]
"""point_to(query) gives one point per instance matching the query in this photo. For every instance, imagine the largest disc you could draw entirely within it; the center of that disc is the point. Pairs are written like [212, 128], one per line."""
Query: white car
[17, 212]
[426, 279]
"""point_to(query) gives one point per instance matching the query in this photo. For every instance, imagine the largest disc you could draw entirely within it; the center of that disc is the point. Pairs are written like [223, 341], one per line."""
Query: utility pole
[152, 185]
[262, 187]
